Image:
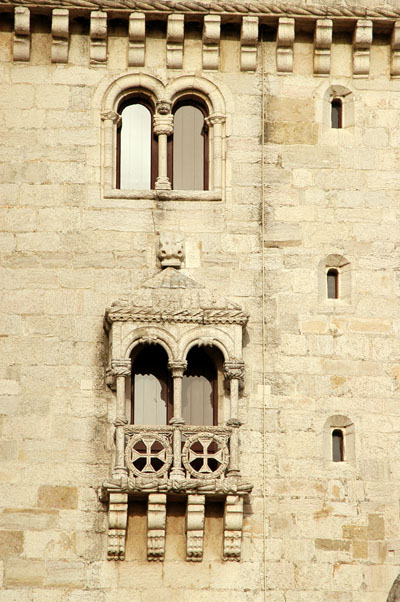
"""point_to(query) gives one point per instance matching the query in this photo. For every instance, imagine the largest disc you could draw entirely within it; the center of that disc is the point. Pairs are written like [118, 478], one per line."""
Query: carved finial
[170, 251]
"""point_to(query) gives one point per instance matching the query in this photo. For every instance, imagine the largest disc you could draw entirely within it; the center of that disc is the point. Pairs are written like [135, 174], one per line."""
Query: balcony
[180, 462]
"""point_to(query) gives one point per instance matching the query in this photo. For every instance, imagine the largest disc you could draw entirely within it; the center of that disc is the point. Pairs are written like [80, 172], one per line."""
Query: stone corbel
[156, 521]
[322, 47]
[117, 525]
[175, 34]
[362, 40]
[284, 45]
[233, 523]
[98, 37]
[211, 37]
[60, 35]
[137, 40]
[195, 527]
[22, 34]
[248, 44]
[395, 47]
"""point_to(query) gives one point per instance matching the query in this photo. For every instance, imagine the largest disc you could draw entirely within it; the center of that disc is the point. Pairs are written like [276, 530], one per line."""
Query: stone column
[234, 372]
[112, 120]
[216, 122]
[163, 127]
[177, 368]
[121, 369]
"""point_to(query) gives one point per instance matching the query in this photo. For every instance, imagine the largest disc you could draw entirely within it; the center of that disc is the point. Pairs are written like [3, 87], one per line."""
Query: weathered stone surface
[313, 529]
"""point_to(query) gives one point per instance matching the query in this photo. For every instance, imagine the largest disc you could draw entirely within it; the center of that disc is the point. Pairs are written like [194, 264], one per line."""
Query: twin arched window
[152, 387]
[186, 150]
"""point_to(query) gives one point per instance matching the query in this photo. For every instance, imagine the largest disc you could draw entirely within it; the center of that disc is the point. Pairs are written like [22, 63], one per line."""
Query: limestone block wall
[297, 194]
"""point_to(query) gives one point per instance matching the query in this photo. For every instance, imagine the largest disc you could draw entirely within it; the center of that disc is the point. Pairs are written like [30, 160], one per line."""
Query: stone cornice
[261, 9]
[200, 316]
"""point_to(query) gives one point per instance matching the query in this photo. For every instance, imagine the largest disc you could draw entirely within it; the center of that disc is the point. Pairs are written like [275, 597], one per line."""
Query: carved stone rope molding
[267, 9]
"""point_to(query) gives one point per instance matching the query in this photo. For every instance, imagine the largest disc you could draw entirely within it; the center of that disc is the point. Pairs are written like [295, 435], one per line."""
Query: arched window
[337, 446]
[332, 283]
[136, 145]
[336, 113]
[189, 160]
[151, 398]
[200, 389]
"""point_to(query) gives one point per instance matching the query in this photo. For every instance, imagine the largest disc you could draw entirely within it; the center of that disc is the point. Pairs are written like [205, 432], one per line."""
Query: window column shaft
[216, 121]
[121, 370]
[163, 127]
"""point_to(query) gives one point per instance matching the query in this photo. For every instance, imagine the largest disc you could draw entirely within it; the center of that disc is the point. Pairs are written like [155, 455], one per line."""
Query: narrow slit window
[332, 281]
[336, 113]
[337, 446]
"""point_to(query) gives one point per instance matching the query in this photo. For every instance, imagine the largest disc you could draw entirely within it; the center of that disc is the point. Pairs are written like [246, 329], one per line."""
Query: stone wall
[314, 529]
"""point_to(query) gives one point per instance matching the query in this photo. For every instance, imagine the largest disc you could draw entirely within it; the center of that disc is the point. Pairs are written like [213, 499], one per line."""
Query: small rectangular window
[337, 446]
[336, 113]
[332, 282]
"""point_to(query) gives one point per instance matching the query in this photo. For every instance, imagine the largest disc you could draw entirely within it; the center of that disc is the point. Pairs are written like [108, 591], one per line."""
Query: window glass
[332, 277]
[135, 148]
[337, 446]
[188, 149]
[199, 389]
[151, 403]
[336, 113]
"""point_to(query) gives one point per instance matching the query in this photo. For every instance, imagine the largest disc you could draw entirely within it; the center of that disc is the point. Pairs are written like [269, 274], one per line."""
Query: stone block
[58, 497]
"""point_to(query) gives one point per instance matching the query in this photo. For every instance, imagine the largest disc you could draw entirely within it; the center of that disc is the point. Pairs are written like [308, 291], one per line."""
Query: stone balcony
[176, 461]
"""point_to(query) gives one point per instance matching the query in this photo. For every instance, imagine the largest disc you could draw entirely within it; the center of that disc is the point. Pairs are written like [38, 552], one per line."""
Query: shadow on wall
[394, 594]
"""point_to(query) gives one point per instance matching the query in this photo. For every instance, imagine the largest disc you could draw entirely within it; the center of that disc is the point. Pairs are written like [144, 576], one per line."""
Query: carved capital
[163, 107]
[177, 367]
[234, 423]
[120, 421]
[234, 370]
[111, 116]
[215, 118]
[121, 367]
[163, 124]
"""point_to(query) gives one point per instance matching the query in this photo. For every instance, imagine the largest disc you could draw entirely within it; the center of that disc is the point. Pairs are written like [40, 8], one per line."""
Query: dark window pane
[336, 113]
[188, 149]
[337, 445]
[332, 278]
[199, 389]
[150, 386]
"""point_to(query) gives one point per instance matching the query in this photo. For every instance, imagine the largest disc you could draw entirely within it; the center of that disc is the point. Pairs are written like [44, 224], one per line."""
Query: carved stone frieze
[200, 316]
[225, 7]
[156, 521]
[195, 527]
